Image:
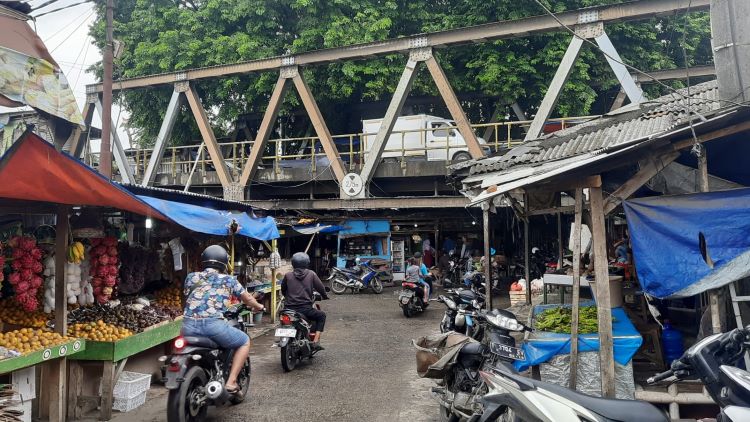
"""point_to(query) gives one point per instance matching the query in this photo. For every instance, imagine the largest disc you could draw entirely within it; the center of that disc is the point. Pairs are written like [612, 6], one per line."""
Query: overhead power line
[59, 9]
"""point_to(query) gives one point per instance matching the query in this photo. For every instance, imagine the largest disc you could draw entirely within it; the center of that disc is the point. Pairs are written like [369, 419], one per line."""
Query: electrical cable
[66, 26]
[72, 32]
[633, 68]
[45, 4]
[61, 8]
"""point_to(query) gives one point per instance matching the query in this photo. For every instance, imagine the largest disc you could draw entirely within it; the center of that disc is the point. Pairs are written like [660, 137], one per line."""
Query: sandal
[234, 391]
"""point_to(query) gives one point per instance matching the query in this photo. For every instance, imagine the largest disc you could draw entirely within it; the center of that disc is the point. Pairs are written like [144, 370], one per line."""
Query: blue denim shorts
[217, 330]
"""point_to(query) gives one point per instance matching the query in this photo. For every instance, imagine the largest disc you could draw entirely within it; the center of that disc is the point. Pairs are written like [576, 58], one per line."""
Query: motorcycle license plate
[286, 332]
[507, 351]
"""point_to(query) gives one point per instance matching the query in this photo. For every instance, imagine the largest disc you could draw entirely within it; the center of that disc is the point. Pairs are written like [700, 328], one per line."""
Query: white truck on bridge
[420, 135]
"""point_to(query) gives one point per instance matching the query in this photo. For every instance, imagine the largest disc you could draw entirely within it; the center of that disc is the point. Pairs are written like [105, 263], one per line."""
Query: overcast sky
[66, 35]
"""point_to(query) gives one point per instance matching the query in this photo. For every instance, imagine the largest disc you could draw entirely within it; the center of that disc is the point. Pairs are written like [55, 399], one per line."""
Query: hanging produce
[72, 281]
[27, 269]
[49, 284]
[76, 253]
[133, 269]
[86, 292]
[104, 267]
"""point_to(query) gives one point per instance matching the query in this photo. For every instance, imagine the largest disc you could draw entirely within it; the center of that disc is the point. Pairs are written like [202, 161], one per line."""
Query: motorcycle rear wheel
[337, 286]
[377, 286]
[288, 358]
[244, 382]
[180, 406]
[407, 311]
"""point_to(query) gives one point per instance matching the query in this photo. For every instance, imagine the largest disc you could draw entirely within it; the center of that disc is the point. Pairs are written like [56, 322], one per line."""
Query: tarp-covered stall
[703, 241]
[364, 239]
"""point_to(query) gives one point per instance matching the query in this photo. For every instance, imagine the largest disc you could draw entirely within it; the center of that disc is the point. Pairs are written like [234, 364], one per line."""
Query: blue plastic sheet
[364, 227]
[215, 222]
[543, 346]
[665, 235]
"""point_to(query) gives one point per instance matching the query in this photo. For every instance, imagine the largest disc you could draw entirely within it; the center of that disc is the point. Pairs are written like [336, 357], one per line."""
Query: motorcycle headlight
[505, 322]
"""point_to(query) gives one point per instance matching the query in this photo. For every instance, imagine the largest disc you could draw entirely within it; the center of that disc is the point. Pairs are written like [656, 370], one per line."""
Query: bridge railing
[308, 153]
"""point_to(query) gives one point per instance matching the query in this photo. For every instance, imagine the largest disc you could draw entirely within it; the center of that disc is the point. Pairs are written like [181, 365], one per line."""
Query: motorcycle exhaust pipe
[214, 390]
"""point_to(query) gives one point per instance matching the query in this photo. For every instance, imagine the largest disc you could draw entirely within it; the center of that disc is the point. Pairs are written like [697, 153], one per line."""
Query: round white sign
[63, 350]
[46, 354]
[352, 184]
[77, 345]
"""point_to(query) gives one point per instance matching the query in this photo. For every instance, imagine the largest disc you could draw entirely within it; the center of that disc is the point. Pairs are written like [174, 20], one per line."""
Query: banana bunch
[76, 253]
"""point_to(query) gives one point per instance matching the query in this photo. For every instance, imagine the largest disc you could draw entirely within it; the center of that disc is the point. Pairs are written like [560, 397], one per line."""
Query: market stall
[363, 239]
[85, 262]
[550, 343]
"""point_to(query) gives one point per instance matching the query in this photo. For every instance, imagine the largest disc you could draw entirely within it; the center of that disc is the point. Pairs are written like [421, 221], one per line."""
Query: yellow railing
[351, 148]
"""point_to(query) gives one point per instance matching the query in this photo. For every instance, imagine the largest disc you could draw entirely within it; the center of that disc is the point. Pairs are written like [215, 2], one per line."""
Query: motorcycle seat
[471, 349]
[294, 313]
[612, 409]
[201, 342]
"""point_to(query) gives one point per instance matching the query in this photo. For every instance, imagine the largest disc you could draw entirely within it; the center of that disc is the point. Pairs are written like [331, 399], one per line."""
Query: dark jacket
[298, 287]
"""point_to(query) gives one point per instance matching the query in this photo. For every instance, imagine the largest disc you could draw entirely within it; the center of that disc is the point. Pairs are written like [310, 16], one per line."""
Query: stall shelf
[69, 349]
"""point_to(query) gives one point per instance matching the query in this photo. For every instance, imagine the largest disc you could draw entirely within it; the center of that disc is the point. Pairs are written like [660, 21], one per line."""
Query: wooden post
[526, 250]
[273, 285]
[487, 259]
[576, 288]
[108, 386]
[603, 303]
[57, 369]
[713, 294]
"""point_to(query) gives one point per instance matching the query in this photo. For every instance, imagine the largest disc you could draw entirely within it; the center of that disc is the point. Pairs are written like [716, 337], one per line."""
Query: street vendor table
[114, 356]
[42, 355]
[541, 346]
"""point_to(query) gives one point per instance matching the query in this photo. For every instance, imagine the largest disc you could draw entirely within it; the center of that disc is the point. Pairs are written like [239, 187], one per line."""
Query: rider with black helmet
[298, 287]
[208, 294]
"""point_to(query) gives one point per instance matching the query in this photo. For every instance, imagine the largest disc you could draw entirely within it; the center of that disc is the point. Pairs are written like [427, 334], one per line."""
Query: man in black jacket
[298, 287]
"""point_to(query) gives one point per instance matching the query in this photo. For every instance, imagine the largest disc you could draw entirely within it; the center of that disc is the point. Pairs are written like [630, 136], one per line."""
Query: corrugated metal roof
[622, 126]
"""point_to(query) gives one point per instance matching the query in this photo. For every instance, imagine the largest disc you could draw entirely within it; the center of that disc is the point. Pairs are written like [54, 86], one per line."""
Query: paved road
[366, 373]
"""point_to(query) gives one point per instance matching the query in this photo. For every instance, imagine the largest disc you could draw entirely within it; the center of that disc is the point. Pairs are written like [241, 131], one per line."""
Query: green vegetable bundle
[558, 320]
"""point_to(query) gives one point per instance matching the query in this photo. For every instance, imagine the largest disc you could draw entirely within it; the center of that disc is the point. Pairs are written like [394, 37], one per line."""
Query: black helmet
[418, 255]
[300, 260]
[215, 257]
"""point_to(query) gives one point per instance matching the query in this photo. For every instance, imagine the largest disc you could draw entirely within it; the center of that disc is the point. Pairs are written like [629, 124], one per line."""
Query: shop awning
[215, 222]
[684, 245]
[317, 228]
[353, 228]
[32, 169]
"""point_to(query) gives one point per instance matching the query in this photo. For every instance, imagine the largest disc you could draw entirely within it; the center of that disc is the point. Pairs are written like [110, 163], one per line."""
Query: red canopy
[32, 169]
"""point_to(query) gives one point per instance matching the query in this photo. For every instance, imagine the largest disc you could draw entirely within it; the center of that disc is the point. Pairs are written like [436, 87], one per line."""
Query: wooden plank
[603, 302]
[576, 288]
[720, 133]
[526, 251]
[61, 246]
[56, 385]
[108, 387]
[713, 294]
[116, 351]
[75, 389]
[70, 349]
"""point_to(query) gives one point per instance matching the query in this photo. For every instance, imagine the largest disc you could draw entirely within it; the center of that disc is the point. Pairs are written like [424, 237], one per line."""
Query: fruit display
[76, 253]
[136, 268]
[103, 268]
[11, 313]
[72, 283]
[49, 284]
[98, 331]
[133, 318]
[170, 297]
[86, 292]
[558, 320]
[27, 340]
[27, 269]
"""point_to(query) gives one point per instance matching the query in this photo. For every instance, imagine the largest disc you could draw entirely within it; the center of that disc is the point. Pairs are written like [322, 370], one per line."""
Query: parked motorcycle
[460, 391]
[196, 373]
[712, 360]
[295, 339]
[361, 277]
[461, 310]
[411, 299]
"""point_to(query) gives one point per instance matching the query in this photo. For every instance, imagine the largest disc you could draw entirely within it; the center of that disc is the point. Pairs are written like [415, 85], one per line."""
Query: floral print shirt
[209, 293]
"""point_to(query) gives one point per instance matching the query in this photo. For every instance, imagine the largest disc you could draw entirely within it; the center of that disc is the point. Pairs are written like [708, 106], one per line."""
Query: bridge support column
[80, 136]
[126, 173]
[170, 117]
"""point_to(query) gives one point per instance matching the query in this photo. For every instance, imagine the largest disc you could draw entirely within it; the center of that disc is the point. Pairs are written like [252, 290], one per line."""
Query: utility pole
[105, 157]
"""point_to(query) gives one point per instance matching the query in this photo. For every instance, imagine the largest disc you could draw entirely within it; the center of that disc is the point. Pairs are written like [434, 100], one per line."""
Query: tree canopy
[169, 35]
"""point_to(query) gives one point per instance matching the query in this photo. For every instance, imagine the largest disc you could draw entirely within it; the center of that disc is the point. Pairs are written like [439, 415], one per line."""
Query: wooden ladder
[737, 315]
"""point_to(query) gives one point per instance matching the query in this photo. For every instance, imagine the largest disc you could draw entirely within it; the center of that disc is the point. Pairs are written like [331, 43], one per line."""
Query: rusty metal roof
[622, 126]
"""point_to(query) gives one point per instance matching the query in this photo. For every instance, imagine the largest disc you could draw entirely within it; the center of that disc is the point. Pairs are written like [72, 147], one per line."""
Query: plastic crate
[126, 405]
[131, 384]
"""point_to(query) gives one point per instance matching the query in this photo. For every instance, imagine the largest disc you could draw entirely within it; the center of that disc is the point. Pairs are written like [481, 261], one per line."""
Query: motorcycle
[460, 390]
[364, 276]
[411, 299]
[196, 372]
[295, 339]
[712, 360]
[461, 307]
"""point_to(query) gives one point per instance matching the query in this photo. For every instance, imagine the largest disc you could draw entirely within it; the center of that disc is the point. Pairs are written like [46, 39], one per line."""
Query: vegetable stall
[94, 273]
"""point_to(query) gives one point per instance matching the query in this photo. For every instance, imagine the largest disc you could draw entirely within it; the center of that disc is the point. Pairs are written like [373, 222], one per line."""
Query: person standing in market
[208, 294]
[298, 287]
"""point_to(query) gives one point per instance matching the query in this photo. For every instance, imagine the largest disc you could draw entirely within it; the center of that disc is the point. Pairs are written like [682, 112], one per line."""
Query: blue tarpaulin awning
[317, 228]
[666, 234]
[214, 222]
[365, 227]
